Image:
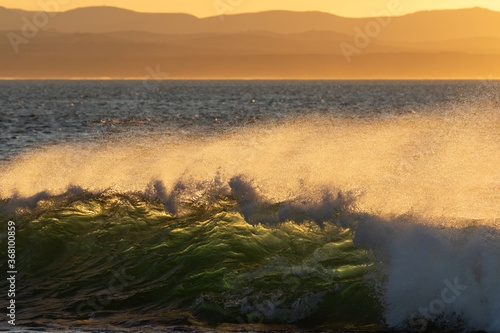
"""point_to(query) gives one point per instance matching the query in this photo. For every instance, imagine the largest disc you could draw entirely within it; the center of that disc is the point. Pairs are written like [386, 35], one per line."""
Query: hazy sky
[203, 8]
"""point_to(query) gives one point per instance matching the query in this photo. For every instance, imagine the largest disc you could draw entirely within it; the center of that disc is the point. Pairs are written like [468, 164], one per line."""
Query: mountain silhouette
[118, 43]
[420, 26]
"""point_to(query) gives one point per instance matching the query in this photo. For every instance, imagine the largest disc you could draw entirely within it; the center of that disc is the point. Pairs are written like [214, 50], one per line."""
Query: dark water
[252, 205]
[33, 113]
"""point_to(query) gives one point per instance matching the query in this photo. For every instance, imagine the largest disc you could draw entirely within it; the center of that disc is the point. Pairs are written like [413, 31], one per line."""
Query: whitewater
[255, 205]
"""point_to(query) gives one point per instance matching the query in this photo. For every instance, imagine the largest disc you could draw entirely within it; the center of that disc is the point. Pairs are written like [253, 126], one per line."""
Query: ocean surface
[252, 205]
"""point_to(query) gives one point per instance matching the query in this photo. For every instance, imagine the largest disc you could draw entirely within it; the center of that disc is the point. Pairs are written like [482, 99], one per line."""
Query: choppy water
[230, 204]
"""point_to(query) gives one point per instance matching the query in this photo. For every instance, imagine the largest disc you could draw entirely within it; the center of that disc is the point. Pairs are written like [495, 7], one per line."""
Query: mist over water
[435, 165]
[302, 202]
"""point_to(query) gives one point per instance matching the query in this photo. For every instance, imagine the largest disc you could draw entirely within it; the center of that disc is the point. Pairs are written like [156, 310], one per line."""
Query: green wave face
[122, 259]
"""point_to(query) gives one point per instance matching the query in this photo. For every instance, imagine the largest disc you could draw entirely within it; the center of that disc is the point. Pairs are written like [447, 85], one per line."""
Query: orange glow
[432, 44]
[423, 163]
[204, 8]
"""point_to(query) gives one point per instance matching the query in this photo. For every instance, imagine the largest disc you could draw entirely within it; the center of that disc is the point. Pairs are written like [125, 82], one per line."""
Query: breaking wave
[332, 224]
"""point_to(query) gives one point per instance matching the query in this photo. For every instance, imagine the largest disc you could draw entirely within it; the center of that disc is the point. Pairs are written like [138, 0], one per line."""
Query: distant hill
[418, 27]
[121, 44]
[117, 43]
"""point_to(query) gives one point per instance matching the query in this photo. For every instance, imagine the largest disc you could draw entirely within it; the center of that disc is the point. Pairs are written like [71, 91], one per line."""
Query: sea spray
[317, 221]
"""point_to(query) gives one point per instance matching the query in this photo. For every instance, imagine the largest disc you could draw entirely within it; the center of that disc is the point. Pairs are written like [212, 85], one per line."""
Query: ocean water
[252, 205]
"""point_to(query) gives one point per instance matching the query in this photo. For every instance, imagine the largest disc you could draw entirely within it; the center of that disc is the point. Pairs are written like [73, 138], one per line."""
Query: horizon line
[243, 79]
[258, 12]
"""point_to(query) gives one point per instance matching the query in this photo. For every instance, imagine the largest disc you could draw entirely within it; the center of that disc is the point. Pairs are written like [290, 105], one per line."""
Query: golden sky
[203, 8]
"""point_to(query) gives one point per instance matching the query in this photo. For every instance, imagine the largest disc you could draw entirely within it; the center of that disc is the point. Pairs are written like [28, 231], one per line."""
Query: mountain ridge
[475, 8]
[439, 24]
[119, 43]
